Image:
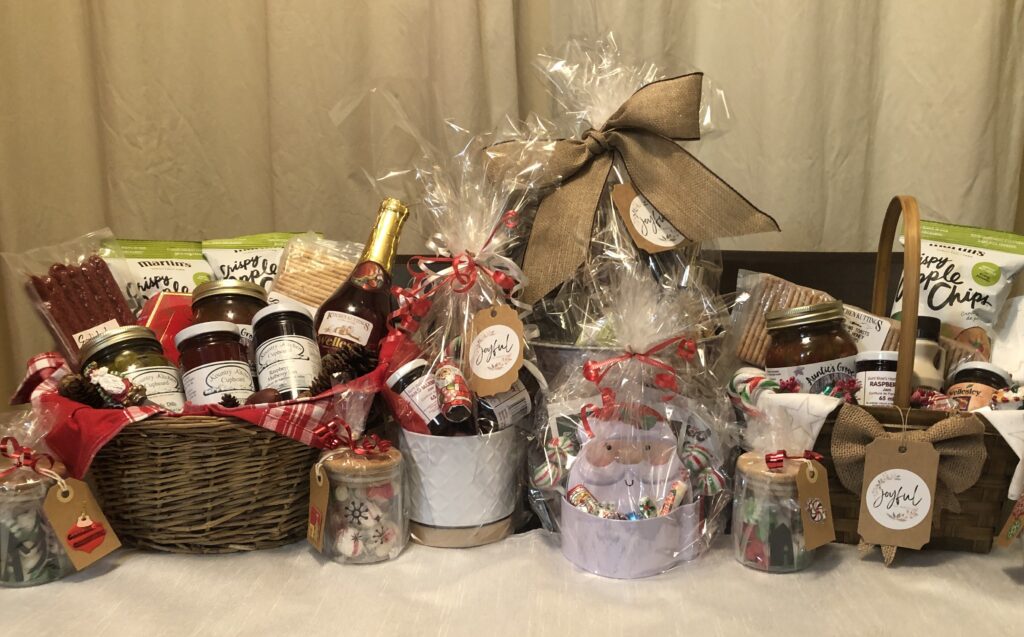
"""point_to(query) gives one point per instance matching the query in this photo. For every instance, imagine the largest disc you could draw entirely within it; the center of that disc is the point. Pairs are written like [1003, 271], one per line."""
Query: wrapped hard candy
[366, 519]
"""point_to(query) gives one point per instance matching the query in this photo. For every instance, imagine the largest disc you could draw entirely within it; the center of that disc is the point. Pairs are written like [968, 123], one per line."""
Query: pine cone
[227, 400]
[79, 389]
[342, 366]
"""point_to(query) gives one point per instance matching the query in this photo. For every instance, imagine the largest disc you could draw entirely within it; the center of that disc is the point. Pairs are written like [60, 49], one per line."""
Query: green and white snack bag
[145, 268]
[252, 257]
[966, 275]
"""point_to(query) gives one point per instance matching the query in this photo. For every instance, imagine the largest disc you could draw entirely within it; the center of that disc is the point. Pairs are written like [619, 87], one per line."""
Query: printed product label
[511, 406]
[207, 384]
[163, 386]
[877, 389]
[85, 335]
[287, 363]
[972, 396]
[422, 397]
[494, 352]
[898, 499]
[346, 326]
[651, 225]
[816, 378]
[868, 330]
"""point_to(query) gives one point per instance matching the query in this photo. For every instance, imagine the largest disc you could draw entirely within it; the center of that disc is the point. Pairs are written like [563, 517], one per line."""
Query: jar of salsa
[229, 300]
[286, 354]
[135, 353]
[811, 348]
[214, 363]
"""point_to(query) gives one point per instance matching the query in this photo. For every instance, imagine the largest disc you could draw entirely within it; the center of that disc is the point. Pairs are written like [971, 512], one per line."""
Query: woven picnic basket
[984, 506]
[204, 484]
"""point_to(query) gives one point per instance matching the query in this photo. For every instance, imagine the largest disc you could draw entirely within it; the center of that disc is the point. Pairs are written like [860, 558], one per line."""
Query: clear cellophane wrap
[639, 428]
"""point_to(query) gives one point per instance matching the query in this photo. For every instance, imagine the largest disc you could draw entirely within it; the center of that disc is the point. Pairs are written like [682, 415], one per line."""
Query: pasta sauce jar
[214, 363]
[811, 348]
[286, 354]
[135, 353]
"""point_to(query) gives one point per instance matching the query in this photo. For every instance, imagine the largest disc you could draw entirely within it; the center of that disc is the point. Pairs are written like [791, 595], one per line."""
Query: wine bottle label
[423, 398]
[346, 326]
[511, 406]
[163, 386]
[287, 363]
[207, 384]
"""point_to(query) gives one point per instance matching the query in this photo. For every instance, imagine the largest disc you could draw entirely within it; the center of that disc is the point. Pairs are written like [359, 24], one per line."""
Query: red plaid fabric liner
[78, 432]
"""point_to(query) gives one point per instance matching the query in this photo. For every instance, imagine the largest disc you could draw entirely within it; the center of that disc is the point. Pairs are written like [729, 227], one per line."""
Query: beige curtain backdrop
[196, 119]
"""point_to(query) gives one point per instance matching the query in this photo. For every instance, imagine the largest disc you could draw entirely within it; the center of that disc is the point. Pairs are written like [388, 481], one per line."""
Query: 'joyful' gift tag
[319, 490]
[815, 505]
[651, 231]
[898, 495]
[78, 523]
[495, 350]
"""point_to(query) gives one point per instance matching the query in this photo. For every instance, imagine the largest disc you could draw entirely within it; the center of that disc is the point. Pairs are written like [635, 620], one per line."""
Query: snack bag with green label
[143, 268]
[252, 257]
[966, 275]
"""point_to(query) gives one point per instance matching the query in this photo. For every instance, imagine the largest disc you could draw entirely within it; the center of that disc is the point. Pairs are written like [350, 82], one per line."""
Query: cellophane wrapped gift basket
[461, 381]
[630, 453]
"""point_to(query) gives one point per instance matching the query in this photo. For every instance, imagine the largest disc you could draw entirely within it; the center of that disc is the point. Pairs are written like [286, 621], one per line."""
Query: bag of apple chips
[966, 275]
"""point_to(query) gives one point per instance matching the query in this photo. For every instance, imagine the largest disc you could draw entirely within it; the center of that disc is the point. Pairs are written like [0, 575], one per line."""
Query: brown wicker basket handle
[907, 206]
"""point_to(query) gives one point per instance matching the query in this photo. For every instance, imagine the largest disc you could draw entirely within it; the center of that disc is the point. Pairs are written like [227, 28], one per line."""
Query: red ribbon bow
[369, 445]
[777, 460]
[22, 457]
[686, 348]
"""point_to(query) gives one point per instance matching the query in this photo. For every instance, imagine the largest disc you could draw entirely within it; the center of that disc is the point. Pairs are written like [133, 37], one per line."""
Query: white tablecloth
[522, 587]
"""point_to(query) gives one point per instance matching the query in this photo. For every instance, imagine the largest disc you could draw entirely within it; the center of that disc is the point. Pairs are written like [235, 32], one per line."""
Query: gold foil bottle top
[383, 241]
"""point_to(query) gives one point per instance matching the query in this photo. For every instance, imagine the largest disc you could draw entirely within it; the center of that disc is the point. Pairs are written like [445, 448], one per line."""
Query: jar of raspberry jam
[214, 364]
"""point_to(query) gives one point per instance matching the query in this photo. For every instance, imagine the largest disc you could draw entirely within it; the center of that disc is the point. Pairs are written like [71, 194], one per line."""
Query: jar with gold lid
[135, 353]
[366, 519]
[229, 300]
[811, 349]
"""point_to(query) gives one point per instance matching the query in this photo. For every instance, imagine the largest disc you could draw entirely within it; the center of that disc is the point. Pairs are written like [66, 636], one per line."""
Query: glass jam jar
[214, 364]
[286, 354]
[229, 300]
[366, 520]
[768, 533]
[811, 348]
[134, 352]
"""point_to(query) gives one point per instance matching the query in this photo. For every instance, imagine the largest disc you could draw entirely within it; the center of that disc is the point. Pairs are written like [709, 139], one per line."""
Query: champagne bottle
[356, 314]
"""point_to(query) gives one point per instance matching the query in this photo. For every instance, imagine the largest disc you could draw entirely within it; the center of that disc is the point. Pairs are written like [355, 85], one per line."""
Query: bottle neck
[383, 241]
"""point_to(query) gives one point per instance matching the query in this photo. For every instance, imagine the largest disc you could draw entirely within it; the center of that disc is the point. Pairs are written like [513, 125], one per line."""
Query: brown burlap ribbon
[644, 132]
[959, 439]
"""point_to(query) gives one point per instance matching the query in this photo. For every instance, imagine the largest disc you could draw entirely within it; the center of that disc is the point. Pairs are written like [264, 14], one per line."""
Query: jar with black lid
[135, 353]
[810, 346]
[973, 384]
[214, 364]
[286, 354]
[876, 377]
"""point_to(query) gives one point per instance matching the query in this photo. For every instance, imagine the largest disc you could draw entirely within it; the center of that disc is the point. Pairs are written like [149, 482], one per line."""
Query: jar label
[246, 333]
[346, 326]
[877, 389]
[972, 395]
[163, 386]
[816, 378]
[207, 384]
[422, 395]
[287, 363]
[869, 331]
[511, 406]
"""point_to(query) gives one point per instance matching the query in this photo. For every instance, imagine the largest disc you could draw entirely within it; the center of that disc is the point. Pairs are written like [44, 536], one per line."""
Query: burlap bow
[644, 132]
[959, 439]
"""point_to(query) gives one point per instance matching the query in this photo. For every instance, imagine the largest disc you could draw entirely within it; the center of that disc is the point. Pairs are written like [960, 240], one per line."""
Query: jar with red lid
[811, 348]
[214, 364]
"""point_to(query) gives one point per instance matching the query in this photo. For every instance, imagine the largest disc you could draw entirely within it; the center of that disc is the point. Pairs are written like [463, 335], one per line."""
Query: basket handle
[906, 206]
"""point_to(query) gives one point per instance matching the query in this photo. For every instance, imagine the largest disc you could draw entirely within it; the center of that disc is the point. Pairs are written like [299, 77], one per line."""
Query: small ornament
[77, 388]
[344, 365]
[456, 399]
[115, 390]
[647, 508]
[229, 401]
[87, 535]
[816, 509]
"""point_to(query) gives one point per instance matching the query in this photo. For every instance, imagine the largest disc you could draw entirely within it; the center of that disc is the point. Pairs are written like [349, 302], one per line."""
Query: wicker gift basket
[983, 506]
[210, 480]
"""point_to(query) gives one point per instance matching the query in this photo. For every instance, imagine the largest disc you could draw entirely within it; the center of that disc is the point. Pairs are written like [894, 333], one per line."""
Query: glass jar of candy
[30, 553]
[366, 518]
[767, 529]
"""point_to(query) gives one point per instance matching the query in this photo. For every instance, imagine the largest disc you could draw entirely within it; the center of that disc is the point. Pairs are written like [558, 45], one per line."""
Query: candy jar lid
[346, 463]
[754, 468]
